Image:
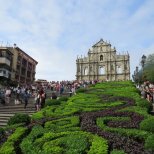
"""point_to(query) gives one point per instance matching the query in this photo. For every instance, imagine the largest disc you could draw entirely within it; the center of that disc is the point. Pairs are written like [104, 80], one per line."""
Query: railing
[4, 60]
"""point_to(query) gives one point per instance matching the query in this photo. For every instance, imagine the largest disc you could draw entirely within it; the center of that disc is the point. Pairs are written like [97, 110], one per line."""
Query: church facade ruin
[102, 63]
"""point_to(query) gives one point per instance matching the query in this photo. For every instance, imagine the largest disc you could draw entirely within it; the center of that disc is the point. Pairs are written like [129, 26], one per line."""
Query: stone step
[2, 124]
[3, 120]
[18, 108]
[13, 112]
[21, 109]
[15, 106]
[8, 110]
[6, 115]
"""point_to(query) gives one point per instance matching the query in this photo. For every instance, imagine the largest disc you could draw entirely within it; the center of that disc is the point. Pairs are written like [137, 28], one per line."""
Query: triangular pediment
[100, 43]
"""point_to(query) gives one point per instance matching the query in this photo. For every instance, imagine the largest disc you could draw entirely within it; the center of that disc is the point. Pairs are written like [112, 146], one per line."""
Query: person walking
[54, 96]
[26, 97]
[43, 97]
[37, 101]
[17, 99]
[7, 95]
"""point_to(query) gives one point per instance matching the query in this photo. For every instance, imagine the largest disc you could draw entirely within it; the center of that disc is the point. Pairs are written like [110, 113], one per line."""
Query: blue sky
[54, 32]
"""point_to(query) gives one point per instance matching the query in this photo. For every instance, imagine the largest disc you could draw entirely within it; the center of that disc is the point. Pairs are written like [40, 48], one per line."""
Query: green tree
[149, 68]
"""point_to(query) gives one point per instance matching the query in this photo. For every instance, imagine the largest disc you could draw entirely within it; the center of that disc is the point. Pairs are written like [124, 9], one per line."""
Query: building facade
[22, 66]
[102, 63]
[6, 58]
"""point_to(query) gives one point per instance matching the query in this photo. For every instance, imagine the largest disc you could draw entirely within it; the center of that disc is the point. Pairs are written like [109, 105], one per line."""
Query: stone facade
[6, 57]
[23, 67]
[17, 65]
[102, 63]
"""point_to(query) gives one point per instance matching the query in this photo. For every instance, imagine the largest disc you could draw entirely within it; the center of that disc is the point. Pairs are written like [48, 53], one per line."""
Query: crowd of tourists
[147, 91]
[22, 94]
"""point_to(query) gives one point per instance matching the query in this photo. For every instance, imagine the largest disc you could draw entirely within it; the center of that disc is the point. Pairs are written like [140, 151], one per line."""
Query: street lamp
[137, 75]
[133, 76]
[143, 63]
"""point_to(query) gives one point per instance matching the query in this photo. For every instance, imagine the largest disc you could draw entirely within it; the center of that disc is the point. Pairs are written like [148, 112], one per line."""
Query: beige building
[6, 58]
[102, 63]
[22, 67]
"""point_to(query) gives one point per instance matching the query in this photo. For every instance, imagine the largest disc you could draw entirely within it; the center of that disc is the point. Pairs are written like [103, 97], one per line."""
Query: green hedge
[50, 102]
[67, 143]
[143, 103]
[99, 146]
[136, 133]
[81, 90]
[148, 124]
[149, 143]
[9, 147]
[27, 143]
[117, 152]
[63, 98]
[64, 124]
[19, 118]
[1, 131]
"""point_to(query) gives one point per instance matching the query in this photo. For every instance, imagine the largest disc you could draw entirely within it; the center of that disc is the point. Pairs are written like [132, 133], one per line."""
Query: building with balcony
[19, 66]
[102, 63]
[6, 58]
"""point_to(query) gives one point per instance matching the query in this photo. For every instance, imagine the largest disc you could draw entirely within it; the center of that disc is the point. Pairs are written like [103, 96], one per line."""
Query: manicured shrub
[63, 98]
[13, 127]
[17, 134]
[64, 124]
[99, 146]
[3, 136]
[143, 103]
[50, 102]
[149, 143]
[1, 131]
[19, 118]
[81, 90]
[76, 143]
[117, 152]
[37, 115]
[136, 133]
[148, 124]
[27, 144]
[53, 150]
[9, 147]
[69, 116]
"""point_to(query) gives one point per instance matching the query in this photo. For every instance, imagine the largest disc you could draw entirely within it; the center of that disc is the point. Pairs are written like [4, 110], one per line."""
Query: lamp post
[137, 75]
[143, 63]
[134, 76]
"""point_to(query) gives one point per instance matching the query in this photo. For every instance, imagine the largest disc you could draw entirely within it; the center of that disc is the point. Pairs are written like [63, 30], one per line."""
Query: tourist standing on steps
[26, 97]
[54, 96]
[7, 95]
[43, 97]
[17, 99]
[37, 101]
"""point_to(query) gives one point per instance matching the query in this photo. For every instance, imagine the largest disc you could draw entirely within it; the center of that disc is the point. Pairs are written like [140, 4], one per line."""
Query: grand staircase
[7, 111]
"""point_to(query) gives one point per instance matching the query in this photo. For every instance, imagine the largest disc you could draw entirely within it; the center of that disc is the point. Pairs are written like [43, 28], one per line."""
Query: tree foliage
[149, 68]
[146, 72]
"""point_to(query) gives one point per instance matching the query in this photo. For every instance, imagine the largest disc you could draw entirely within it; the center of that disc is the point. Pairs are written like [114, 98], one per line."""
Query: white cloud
[55, 32]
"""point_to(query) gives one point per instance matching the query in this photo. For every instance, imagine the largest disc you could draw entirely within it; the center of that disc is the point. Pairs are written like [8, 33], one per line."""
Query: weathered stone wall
[102, 63]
